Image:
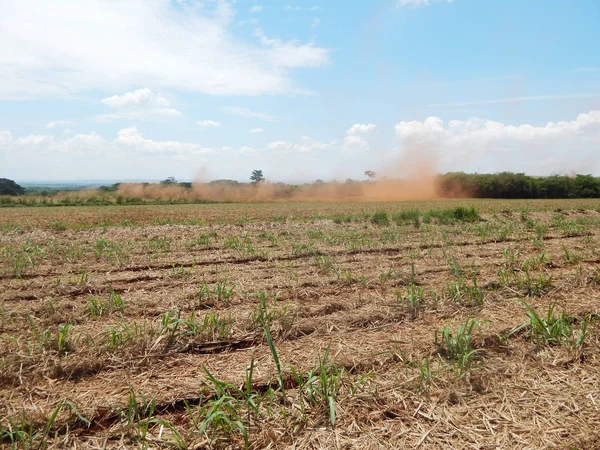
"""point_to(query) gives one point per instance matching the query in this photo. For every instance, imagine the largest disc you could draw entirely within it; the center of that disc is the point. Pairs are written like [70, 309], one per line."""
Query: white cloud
[354, 144]
[478, 131]
[5, 137]
[256, 130]
[462, 144]
[138, 114]
[57, 123]
[256, 8]
[245, 112]
[305, 147]
[165, 112]
[139, 97]
[127, 139]
[515, 100]
[208, 123]
[360, 128]
[246, 149]
[418, 3]
[292, 54]
[133, 139]
[141, 104]
[301, 8]
[34, 139]
[62, 48]
[315, 23]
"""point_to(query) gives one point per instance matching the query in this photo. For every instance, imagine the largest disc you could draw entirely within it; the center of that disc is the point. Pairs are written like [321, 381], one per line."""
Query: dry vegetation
[392, 325]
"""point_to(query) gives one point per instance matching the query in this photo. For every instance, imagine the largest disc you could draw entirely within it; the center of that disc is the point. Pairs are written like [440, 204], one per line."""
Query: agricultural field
[449, 324]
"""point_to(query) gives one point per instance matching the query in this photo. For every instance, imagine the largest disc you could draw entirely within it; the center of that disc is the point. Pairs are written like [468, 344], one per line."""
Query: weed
[460, 290]
[114, 252]
[100, 307]
[242, 246]
[380, 218]
[220, 294]
[58, 225]
[320, 386]
[63, 344]
[571, 257]
[25, 256]
[201, 240]
[408, 216]
[324, 264]
[535, 285]
[425, 375]
[456, 344]
[552, 329]
[413, 299]
[346, 218]
[222, 413]
[160, 244]
[24, 433]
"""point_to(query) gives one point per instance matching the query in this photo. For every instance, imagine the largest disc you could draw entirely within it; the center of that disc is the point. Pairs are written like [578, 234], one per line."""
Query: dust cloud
[412, 177]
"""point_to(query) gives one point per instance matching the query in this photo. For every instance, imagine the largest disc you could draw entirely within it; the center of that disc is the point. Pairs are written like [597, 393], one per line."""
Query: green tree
[257, 177]
[9, 187]
[372, 175]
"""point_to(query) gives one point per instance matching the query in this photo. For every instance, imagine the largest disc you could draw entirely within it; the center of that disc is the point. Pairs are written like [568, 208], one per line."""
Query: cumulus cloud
[246, 149]
[139, 97]
[128, 139]
[130, 154]
[138, 114]
[62, 48]
[256, 130]
[533, 149]
[256, 8]
[353, 143]
[417, 3]
[245, 112]
[305, 147]
[141, 104]
[293, 54]
[359, 128]
[57, 123]
[133, 139]
[476, 130]
[208, 123]
[5, 137]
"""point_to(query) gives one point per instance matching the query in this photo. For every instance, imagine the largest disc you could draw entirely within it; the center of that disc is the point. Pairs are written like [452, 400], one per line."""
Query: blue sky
[141, 89]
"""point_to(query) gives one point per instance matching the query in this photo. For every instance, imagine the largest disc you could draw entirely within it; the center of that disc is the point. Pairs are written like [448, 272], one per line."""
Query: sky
[303, 90]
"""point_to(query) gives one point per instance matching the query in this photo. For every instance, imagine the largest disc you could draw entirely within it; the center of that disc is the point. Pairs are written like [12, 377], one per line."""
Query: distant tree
[169, 180]
[111, 188]
[224, 182]
[257, 177]
[9, 187]
[372, 175]
[186, 184]
[319, 181]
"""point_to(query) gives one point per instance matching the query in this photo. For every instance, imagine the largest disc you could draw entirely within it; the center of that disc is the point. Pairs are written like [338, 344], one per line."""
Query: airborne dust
[412, 177]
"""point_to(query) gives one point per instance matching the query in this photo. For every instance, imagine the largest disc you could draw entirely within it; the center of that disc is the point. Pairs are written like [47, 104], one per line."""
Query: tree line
[507, 185]
[518, 185]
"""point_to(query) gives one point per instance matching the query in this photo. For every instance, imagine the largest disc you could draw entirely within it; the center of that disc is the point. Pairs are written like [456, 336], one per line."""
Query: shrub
[380, 218]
